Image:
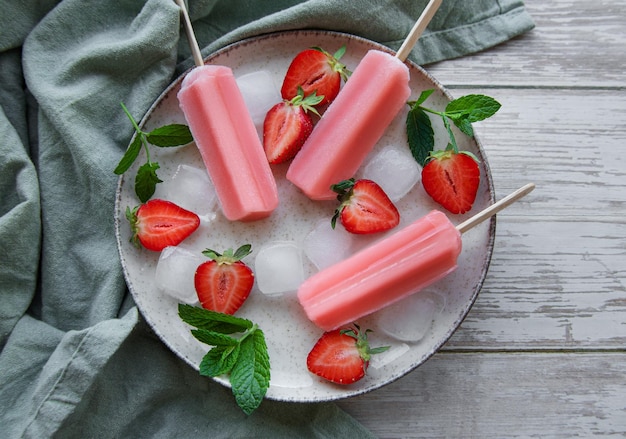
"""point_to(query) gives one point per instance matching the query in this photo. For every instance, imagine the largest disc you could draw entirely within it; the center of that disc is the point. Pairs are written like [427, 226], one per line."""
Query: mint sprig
[461, 112]
[244, 357]
[166, 136]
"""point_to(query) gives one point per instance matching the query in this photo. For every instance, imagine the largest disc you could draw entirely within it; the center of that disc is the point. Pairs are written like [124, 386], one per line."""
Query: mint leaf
[452, 144]
[245, 358]
[462, 112]
[423, 96]
[465, 126]
[165, 136]
[213, 338]
[146, 181]
[420, 134]
[170, 135]
[129, 156]
[212, 321]
[219, 360]
[250, 376]
[475, 107]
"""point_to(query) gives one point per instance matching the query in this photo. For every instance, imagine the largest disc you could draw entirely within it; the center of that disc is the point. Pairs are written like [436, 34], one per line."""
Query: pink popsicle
[351, 126]
[396, 266]
[389, 270]
[228, 143]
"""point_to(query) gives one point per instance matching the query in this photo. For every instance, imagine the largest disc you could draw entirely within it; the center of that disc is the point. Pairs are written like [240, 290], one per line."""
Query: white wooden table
[543, 351]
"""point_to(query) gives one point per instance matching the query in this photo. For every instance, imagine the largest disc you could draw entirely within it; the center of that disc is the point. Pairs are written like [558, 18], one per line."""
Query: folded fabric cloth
[77, 359]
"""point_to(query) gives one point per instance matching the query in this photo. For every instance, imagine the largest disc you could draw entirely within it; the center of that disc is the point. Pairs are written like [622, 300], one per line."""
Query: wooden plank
[575, 43]
[499, 395]
[552, 284]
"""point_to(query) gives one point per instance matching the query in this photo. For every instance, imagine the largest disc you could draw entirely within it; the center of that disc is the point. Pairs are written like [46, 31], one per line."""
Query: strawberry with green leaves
[224, 283]
[342, 356]
[158, 223]
[451, 178]
[315, 70]
[365, 207]
[287, 125]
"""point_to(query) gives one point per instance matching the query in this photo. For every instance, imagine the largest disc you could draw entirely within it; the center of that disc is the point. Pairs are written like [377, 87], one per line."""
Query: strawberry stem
[229, 256]
[344, 192]
[307, 103]
[362, 342]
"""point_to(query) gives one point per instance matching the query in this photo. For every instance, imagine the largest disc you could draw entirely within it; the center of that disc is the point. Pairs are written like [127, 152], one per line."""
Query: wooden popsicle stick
[193, 43]
[418, 28]
[495, 208]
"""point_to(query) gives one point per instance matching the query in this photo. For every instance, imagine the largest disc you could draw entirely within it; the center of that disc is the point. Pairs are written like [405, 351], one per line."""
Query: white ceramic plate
[289, 334]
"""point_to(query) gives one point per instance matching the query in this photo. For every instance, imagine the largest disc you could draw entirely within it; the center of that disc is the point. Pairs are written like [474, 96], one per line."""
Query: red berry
[224, 283]
[365, 207]
[157, 224]
[452, 179]
[315, 70]
[341, 356]
[286, 127]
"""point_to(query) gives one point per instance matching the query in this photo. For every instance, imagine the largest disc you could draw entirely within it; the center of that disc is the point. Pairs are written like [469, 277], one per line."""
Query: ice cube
[260, 93]
[411, 318]
[191, 189]
[278, 268]
[325, 246]
[175, 272]
[393, 353]
[394, 169]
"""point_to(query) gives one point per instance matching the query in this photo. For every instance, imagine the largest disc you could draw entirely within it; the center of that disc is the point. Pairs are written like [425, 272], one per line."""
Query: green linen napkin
[77, 359]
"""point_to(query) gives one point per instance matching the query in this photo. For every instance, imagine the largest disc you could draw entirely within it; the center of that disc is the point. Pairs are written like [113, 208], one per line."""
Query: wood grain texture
[542, 353]
[478, 395]
[575, 43]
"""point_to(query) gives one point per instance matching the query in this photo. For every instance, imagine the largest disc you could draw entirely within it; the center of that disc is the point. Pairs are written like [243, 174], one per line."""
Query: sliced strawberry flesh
[452, 180]
[281, 130]
[161, 223]
[336, 358]
[223, 287]
[311, 70]
[368, 209]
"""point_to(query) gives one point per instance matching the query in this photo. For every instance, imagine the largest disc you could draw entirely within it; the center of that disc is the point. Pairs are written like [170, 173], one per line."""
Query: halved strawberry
[451, 179]
[157, 224]
[224, 282]
[287, 125]
[342, 356]
[365, 207]
[315, 69]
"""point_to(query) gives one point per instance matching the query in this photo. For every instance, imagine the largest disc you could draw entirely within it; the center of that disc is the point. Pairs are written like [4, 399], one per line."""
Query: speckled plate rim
[349, 392]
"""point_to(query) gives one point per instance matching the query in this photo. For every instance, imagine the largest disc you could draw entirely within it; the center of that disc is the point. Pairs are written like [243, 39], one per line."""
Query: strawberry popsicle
[357, 118]
[390, 269]
[228, 143]
[351, 126]
[387, 271]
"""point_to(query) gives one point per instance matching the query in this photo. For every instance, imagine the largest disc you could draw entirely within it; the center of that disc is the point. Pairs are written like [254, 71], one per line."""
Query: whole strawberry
[315, 70]
[365, 207]
[342, 356]
[157, 224]
[451, 178]
[287, 125]
[224, 283]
